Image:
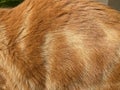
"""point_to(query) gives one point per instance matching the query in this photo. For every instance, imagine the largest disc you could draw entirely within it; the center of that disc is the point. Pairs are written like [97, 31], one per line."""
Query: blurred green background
[9, 3]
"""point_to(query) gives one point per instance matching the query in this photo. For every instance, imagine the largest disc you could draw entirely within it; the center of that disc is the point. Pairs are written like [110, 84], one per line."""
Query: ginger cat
[59, 45]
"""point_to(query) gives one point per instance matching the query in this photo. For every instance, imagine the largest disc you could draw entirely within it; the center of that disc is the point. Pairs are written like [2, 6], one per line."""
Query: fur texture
[60, 45]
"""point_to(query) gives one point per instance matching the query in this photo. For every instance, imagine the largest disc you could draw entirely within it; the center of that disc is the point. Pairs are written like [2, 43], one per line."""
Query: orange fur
[60, 45]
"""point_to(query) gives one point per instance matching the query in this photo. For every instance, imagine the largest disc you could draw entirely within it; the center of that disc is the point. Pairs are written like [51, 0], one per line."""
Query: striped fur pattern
[59, 45]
